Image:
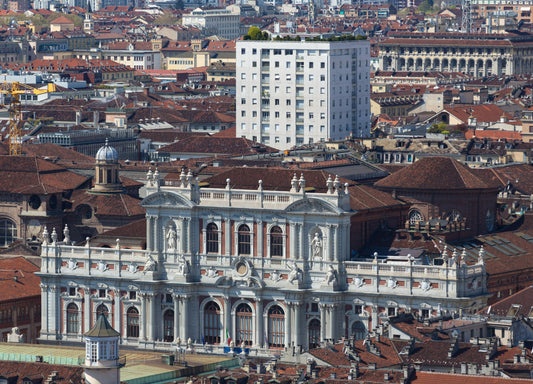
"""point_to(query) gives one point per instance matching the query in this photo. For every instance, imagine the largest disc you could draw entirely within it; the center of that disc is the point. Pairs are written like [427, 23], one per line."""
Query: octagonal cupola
[102, 361]
[107, 178]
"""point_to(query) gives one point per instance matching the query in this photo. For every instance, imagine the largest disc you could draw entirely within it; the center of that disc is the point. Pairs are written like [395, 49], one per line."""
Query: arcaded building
[474, 54]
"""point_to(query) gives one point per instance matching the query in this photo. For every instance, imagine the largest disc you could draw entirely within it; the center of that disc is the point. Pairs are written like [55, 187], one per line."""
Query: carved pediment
[313, 206]
[166, 199]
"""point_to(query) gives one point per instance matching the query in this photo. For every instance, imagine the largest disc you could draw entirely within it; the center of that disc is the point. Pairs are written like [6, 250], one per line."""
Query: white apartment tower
[300, 92]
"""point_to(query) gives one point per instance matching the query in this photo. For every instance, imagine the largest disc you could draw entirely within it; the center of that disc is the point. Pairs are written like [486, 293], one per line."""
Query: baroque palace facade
[474, 54]
[253, 268]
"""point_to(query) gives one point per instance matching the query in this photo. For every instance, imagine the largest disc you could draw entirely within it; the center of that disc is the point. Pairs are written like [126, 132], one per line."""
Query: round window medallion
[241, 269]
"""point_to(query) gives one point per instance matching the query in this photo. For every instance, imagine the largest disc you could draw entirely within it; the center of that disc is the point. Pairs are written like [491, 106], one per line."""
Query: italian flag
[228, 336]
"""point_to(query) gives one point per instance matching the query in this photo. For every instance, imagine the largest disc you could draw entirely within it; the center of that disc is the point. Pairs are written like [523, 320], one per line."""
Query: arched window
[168, 326]
[276, 327]
[132, 322]
[211, 233]
[102, 310]
[8, 232]
[415, 216]
[72, 318]
[358, 330]
[212, 323]
[244, 240]
[314, 333]
[276, 242]
[244, 327]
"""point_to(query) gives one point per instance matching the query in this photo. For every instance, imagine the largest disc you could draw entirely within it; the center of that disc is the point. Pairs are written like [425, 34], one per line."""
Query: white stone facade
[221, 22]
[267, 269]
[300, 92]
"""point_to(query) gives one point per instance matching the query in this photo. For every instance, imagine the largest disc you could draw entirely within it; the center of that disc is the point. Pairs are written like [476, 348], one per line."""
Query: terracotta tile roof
[274, 179]
[59, 155]
[493, 134]
[434, 377]
[136, 229]
[523, 300]
[484, 113]
[433, 173]
[362, 197]
[435, 354]
[32, 175]
[217, 145]
[17, 371]
[62, 20]
[337, 358]
[229, 132]
[117, 204]
[416, 329]
[518, 176]
[18, 279]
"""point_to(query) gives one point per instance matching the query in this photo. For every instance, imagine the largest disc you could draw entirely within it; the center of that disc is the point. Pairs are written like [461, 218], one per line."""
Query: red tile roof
[32, 175]
[18, 372]
[117, 204]
[18, 279]
[433, 173]
[447, 378]
[62, 20]
[217, 145]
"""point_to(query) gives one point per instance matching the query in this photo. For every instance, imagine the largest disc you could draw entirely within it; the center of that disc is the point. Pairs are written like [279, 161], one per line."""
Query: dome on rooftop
[107, 153]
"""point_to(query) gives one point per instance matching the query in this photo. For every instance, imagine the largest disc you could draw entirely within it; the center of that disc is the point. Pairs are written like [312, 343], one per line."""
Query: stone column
[227, 319]
[259, 322]
[332, 334]
[149, 235]
[335, 255]
[292, 239]
[182, 235]
[55, 311]
[227, 236]
[154, 324]
[86, 309]
[45, 314]
[117, 311]
[298, 326]
[142, 318]
[288, 324]
[260, 245]
[331, 244]
[322, 321]
[157, 235]
[300, 249]
[184, 317]
[176, 316]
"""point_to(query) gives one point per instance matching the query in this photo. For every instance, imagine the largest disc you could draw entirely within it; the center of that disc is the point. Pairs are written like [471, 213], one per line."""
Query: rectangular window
[101, 293]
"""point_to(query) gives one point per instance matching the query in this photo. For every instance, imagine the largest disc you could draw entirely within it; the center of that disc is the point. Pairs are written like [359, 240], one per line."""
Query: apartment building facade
[221, 22]
[302, 92]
